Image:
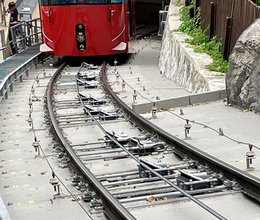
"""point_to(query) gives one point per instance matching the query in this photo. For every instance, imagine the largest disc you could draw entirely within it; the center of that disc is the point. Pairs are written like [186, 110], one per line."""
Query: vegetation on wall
[201, 41]
[257, 2]
[179, 3]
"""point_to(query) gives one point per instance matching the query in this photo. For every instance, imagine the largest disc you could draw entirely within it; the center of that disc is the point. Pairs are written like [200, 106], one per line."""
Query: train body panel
[84, 30]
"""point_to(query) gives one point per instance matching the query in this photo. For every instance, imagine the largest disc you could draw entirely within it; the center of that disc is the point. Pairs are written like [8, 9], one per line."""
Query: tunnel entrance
[146, 14]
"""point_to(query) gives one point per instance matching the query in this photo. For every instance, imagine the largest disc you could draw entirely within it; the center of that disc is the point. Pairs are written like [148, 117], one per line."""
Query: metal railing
[162, 20]
[25, 34]
[7, 83]
[2, 13]
[22, 35]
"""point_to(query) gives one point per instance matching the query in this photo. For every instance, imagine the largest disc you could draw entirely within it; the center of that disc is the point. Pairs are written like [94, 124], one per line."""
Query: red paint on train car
[106, 29]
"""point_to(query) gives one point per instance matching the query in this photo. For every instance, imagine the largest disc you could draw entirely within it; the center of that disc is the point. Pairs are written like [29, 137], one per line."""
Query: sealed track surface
[102, 152]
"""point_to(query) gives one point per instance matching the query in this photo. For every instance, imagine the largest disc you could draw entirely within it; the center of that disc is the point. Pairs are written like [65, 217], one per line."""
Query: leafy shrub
[201, 41]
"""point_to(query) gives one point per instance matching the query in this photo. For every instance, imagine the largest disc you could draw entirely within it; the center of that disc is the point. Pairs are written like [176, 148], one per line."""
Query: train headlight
[80, 37]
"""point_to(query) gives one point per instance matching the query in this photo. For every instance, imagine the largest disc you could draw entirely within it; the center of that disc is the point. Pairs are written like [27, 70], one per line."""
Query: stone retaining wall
[180, 63]
[243, 79]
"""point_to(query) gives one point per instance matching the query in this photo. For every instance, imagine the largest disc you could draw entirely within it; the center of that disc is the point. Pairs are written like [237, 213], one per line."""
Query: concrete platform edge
[4, 215]
[181, 101]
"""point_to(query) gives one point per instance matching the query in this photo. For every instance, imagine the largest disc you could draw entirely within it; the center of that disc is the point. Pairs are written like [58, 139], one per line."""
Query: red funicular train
[85, 27]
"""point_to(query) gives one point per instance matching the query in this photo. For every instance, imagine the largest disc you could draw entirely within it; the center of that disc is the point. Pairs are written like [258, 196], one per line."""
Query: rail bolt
[191, 186]
[64, 159]
[117, 76]
[154, 110]
[55, 183]
[187, 128]
[30, 120]
[221, 132]
[33, 90]
[36, 145]
[88, 195]
[250, 155]
[30, 102]
[134, 96]
[123, 85]
[115, 63]
[95, 203]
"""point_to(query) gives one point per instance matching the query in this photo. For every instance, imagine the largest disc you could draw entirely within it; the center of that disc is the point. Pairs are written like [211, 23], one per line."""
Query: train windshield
[78, 2]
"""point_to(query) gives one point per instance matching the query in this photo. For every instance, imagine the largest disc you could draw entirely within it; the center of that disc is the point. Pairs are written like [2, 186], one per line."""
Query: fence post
[6, 90]
[14, 42]
[36, 31]
[212, 20]
[192, 12]
[197, 5]
[23, 35]
[228, 33]
[29, 38]
[3, 44]
[187, 2]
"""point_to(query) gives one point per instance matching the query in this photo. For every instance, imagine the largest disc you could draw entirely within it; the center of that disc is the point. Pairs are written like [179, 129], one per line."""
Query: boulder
[243, 78]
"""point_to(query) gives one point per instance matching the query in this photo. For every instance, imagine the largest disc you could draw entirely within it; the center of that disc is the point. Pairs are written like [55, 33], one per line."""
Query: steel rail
[250, 184]
[111, 207]
[144, 165]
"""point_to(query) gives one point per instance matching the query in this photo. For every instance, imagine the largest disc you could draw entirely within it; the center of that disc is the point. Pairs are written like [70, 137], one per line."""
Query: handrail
[25, 34]
[162, 20]
[255, 3]
[8, 81]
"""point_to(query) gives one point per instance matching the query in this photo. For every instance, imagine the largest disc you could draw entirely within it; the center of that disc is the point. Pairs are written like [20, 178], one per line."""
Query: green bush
[200, 40]
[257, 2]
[178, 3]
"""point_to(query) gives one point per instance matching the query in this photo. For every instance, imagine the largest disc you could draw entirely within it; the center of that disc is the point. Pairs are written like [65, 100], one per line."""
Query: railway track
[137, 167]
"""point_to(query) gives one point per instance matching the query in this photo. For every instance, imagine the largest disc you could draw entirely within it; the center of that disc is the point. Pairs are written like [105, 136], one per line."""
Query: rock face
[243, 78]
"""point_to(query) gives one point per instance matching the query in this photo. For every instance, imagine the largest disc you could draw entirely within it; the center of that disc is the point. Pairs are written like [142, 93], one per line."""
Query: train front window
[116, 1]
[92, 1]
[78, 2]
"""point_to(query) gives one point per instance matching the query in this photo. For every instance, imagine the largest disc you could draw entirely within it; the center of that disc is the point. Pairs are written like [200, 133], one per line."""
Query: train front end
[84, 27]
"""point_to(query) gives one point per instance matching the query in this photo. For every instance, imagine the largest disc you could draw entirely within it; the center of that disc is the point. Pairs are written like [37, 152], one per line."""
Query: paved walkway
[24, 177]
[12, 63]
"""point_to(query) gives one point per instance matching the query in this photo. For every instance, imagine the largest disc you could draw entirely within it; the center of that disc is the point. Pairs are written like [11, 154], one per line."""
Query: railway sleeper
[173, 194]
[188, 181]
[87, 84]
[137, 181]
[102, 115]
[135, 173]
[159, 166]
[92, 101]
[86, 76]
[117, 153]
[140, 145]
